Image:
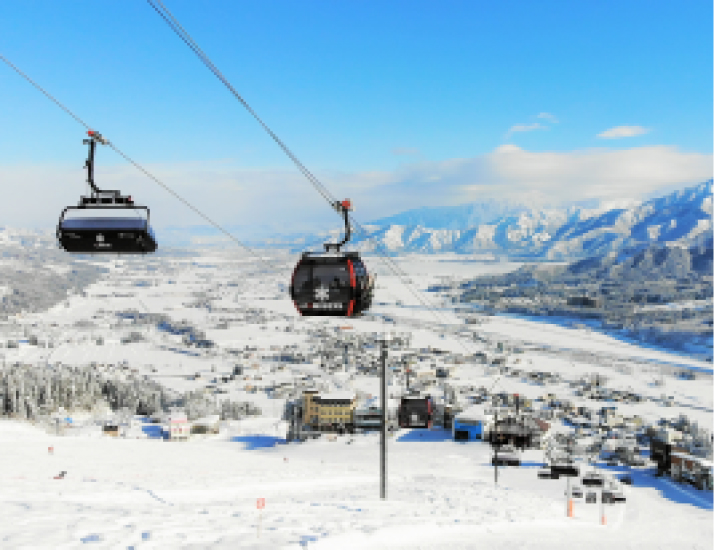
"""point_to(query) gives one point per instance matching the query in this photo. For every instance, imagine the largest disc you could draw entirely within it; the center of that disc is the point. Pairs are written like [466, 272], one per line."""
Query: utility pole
[383, 440]
[495, 446]
[345, 356]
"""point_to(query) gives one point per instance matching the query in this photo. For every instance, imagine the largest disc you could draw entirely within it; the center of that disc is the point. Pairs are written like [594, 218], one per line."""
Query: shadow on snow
[423, 435]
[152, 431]
[252, 442]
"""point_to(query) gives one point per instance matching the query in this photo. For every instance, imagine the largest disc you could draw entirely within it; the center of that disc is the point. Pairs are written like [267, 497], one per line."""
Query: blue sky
[394, 104]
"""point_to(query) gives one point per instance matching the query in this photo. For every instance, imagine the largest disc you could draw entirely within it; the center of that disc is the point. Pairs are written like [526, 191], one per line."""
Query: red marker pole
[569, 507]
[602, 510]
[261, 505]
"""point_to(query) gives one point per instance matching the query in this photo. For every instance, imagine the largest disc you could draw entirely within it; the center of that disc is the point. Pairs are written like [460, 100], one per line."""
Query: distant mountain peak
[455, 217]
[680, 218]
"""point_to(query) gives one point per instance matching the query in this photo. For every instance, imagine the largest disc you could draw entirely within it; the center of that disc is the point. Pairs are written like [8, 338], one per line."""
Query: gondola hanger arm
[342, 207]
[94, 138]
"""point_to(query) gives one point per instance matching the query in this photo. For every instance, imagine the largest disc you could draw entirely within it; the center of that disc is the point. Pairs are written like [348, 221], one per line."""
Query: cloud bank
[284, 202]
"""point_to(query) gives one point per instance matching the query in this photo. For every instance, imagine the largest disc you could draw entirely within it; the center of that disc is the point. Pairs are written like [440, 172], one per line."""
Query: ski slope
[122, 493]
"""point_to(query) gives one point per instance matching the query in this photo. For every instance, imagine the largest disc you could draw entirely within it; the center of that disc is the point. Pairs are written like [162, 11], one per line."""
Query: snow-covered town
[206, 352]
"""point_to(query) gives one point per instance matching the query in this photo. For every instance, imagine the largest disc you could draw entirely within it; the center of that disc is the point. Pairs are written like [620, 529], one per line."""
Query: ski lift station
[472, 424]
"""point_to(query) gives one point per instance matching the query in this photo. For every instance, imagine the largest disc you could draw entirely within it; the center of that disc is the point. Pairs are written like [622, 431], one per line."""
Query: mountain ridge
[681, 218]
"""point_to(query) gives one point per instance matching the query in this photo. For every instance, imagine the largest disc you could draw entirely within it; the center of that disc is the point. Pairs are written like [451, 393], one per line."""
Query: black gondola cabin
[415, 412]
[332, 283]
[106, 221]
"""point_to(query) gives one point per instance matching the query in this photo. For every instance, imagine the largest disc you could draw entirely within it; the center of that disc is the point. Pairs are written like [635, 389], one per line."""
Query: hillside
[656, 294]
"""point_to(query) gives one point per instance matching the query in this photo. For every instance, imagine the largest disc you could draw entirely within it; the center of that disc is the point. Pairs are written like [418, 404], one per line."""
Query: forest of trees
[33, 392]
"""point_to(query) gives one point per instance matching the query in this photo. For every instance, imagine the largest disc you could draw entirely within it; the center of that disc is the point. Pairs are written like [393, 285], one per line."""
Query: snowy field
[124, 493]
[321, 494]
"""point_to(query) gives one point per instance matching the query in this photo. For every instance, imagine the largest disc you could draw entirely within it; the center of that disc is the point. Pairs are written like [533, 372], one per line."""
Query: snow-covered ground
[122, 493]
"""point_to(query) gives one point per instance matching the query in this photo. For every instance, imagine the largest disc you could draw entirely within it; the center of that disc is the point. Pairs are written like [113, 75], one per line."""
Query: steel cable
[179, 30]
[137, 165]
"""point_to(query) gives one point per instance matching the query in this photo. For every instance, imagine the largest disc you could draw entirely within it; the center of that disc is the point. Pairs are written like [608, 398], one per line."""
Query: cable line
[36, 85]
[170, 20]
[183, 34]
[185, 37]
[137, 165]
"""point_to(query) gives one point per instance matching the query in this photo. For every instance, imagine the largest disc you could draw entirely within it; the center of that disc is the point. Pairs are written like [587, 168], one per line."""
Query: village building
[471, 424]
[206, 425]
[179, 427]
[685, 467]
[110, 430]
[329, 412]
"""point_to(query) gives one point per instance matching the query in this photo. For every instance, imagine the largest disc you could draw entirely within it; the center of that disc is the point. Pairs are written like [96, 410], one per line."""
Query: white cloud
[284, 200]
[623, 131]
[537, 178]
[549, 117]
[508, 148]
[525, 128]
[601, 174]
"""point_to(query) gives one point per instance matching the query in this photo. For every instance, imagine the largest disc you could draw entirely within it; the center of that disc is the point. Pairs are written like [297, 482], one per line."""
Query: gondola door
[332, 286]
[324, 286]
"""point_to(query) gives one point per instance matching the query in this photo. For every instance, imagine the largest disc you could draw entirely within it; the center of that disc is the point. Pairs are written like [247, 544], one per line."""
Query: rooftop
[337, 396]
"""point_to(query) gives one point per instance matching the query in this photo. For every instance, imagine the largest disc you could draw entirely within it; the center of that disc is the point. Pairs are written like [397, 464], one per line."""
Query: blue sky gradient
[372, 96]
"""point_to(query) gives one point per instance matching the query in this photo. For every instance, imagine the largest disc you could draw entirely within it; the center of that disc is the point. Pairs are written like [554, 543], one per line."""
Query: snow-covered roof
[376, 403]
[348, 395]
[208, 420]
[474, 412]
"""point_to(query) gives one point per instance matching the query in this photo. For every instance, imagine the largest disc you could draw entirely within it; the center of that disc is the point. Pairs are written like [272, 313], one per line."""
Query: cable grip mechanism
[343, 207]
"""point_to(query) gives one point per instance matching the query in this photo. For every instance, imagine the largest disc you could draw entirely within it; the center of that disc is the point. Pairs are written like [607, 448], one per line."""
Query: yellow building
[310, 407]
[329, 412]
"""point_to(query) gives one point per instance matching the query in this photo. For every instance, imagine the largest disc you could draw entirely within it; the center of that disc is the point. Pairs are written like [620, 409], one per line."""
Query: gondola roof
[105, 223]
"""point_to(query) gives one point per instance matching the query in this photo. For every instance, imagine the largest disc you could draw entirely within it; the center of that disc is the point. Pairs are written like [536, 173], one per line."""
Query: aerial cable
[321, 189]
[170, 20]
[36, 85]
[138, 166]
[183, 34]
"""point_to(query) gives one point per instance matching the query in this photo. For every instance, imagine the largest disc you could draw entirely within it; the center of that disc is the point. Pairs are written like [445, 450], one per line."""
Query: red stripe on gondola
[353, 286]
[353, 283]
